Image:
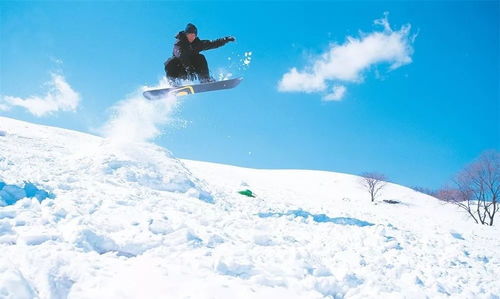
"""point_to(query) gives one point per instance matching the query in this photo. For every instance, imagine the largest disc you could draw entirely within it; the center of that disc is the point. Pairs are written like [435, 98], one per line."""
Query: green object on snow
[247, 193]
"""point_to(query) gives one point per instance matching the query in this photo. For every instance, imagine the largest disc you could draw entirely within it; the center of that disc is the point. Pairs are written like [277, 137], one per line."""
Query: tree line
[475, 189]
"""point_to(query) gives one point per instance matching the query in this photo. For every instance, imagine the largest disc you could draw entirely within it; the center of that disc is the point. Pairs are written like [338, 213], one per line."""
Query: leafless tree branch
[374, 183]
[477, 188]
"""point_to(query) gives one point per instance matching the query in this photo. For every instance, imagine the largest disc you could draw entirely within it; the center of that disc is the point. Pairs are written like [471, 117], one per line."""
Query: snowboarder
[187, 63]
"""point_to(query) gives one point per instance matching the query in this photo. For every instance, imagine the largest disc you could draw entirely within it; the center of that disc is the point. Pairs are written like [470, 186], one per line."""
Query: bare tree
[373, 182]
[458, 198]
[477, 188]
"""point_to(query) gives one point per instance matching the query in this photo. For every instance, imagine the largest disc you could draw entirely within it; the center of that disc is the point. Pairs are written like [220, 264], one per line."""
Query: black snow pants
[198, 68]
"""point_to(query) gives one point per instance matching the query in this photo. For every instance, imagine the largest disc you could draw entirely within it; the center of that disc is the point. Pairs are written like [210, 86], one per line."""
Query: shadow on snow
[321, 218]
[10, 194]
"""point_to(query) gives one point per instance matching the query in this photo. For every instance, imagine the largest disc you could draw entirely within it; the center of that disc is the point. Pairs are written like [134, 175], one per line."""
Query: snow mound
[63, 162]
[100, 219]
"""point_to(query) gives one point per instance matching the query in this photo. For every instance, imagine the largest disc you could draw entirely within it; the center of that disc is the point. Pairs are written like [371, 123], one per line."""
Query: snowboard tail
[191, 89]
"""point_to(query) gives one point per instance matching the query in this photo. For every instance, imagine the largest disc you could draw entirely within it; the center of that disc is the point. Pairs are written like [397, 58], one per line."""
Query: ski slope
[87, 217]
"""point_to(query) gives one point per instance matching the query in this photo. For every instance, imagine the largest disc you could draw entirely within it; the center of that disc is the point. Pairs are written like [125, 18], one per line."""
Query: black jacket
[184, 50]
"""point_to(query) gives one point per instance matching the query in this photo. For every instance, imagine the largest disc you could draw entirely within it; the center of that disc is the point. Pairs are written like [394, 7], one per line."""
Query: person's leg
[201, 68]
[174, 71]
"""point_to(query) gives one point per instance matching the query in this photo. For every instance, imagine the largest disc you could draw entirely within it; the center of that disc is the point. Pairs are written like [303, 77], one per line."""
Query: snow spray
[137, 119]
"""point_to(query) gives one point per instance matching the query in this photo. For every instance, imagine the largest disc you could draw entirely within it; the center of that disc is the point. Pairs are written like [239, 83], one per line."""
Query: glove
[229, 39]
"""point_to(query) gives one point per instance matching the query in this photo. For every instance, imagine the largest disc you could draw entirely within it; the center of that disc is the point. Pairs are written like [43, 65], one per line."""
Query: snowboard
[154, 94]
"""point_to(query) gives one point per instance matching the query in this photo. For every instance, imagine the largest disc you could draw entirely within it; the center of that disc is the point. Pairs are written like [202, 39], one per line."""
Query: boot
[174, 82]
[208, 79]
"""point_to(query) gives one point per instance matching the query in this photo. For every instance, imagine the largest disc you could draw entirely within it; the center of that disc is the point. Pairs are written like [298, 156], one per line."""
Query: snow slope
[115, 220]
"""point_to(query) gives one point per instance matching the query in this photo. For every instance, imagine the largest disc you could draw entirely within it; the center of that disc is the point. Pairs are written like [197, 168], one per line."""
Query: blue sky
[418, 123]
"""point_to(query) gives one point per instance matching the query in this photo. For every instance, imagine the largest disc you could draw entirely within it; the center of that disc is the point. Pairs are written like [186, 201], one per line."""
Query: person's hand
[229, 38]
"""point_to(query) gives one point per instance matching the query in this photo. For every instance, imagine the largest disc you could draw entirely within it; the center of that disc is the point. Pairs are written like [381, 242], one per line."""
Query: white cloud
[348, 62]
[337, 94]
[301, 81]
[60, 97]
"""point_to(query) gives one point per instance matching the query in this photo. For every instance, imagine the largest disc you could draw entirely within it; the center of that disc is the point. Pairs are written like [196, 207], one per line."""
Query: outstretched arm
[208, 44]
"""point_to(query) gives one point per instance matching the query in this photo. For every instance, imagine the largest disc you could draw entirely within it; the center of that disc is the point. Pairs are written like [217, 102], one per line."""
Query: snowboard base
[191, 89]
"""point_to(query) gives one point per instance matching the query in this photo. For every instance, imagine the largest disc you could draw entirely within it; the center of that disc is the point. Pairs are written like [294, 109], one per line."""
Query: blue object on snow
[10, 194]
[321, 218]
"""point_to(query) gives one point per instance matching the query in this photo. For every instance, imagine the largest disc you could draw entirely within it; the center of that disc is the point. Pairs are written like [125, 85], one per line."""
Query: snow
[238, 64]
[248, 58]
[129, 220]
